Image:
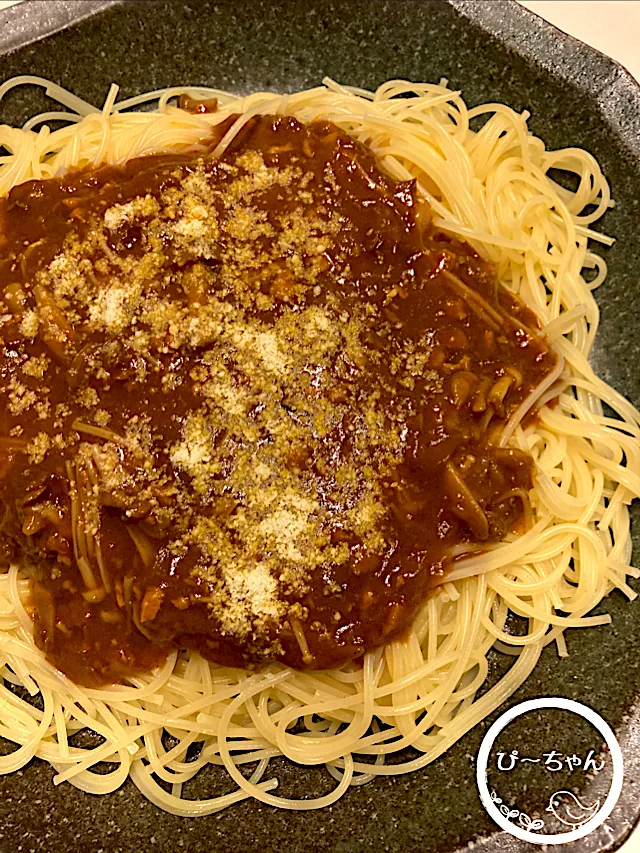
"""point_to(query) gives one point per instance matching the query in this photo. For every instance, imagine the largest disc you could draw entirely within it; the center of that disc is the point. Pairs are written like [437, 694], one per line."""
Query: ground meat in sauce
[249, 405]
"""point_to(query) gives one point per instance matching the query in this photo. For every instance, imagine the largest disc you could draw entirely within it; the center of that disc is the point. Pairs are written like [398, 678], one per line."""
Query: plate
[493, 52]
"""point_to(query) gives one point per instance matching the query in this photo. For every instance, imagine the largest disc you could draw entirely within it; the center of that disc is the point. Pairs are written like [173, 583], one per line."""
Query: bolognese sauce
[251, 404]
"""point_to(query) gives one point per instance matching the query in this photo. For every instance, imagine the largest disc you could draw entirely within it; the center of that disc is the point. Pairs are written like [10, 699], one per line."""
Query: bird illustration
[568, 809]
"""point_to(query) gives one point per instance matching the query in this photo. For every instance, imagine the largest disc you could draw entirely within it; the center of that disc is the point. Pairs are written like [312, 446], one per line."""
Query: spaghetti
[490, 188]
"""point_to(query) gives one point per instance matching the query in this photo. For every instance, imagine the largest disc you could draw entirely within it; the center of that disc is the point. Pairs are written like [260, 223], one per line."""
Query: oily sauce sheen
[250, 405]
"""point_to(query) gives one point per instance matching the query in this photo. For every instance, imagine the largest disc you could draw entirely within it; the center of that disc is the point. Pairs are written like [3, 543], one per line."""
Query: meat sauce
[250, 404]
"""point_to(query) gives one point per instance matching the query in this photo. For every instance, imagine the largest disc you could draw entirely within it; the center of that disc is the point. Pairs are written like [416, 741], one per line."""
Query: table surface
[611, 26]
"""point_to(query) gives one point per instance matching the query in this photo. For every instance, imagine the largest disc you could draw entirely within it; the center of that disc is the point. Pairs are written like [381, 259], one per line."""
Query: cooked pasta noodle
[491, 187]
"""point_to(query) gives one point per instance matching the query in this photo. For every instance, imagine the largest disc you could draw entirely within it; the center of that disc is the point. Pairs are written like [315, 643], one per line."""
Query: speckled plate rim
[617, 94]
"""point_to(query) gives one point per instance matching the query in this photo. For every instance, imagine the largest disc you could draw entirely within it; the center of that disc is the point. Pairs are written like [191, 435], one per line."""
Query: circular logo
[565, 807]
